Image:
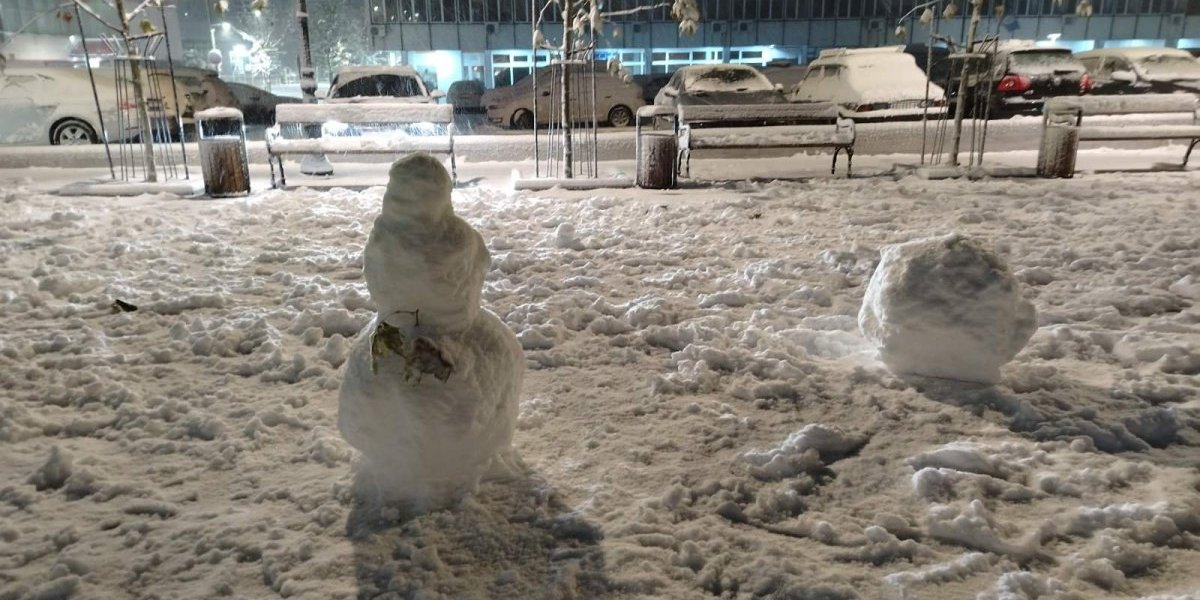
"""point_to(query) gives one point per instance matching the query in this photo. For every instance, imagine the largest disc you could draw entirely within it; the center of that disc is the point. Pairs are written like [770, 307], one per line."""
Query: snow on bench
[809, 125]
[360, 128]
[1070, 111]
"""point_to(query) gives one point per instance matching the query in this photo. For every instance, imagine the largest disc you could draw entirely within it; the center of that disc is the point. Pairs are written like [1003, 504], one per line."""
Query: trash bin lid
[219, 112]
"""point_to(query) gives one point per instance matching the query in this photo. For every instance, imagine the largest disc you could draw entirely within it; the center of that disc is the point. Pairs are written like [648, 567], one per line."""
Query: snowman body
[431, 387]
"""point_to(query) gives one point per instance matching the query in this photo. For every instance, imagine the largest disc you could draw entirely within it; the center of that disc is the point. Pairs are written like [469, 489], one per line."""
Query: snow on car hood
[381, 100]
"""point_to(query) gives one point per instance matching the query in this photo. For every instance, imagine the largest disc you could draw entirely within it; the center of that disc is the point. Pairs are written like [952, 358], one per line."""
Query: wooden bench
[755, 126]
[359, 128]
[1068, 110]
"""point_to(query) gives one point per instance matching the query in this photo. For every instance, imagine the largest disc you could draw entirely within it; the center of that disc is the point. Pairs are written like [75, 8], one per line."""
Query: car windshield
[1170, 66]
[725, 79]
[1044, 62]
[396, 86]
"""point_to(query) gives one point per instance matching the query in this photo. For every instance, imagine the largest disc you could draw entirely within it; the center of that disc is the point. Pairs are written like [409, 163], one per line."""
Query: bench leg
[271, 163]
[833, 168]
[282, 176]
[849, 162]
[453, 170]
[1187, 155]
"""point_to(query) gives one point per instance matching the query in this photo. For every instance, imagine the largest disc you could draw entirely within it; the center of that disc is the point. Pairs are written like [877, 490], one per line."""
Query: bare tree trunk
[961, 104]
[567, 120]
[139, 97]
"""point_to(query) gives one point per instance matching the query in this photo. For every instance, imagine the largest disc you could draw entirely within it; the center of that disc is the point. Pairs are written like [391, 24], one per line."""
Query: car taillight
[873, 106]
[1085, 84]
[127, 105]
[939, 102]
[1014, 83]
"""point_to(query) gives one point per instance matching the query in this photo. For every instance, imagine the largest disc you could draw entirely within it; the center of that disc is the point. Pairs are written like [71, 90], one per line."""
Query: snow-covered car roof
[829, 53]
[714, 78]
[345, 74]
[1135, 53]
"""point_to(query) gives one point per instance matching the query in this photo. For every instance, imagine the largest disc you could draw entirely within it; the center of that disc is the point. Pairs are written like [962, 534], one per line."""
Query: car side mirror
[1126, 76]
[779, 87]
[436, 93]
[670, 93]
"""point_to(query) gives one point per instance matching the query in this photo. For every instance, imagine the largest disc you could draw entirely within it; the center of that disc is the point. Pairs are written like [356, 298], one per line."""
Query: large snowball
[945, 307]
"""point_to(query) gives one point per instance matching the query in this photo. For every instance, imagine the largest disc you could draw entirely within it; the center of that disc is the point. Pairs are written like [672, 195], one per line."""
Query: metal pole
[533, 17]
[315, 164]
[162, 14]
[95, 95]
[139, 97]
[962, 84]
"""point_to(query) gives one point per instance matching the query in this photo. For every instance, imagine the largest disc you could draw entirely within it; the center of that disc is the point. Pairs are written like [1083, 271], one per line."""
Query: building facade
[490, 40]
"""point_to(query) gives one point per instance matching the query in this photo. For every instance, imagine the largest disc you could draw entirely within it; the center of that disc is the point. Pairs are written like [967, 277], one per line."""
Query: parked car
[204, 88]
[513, 106]
[56, 105]
[381, 84]
[870, 84]
[651, 83]
[258, 105]
[785, 73]
[466, 96]
[941, 67]
[719, 84]
[1021, 76]
[1141, 70]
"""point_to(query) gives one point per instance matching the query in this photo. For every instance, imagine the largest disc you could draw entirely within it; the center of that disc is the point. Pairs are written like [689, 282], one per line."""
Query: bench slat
[364, 113]
[734, 113]
[1124, 104]
[1140, 132]
[359, 145]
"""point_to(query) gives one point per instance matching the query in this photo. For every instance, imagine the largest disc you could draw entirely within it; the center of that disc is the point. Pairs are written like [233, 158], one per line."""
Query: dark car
[258, 105]
[1141, 70]
[719, 84]
[466, 96]
[651, 83]
[940, 71]
[1020, 76]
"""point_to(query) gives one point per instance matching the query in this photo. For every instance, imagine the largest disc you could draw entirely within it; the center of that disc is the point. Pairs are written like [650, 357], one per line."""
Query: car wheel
[620, 116]
[72, 132]
[522, 119]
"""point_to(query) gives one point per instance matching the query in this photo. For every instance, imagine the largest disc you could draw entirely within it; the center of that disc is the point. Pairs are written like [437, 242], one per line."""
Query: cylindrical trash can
[1060, 144]
[223, 152]
[656, 161]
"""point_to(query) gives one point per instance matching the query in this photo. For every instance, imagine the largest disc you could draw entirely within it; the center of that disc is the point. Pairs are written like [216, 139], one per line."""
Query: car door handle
[545, 93]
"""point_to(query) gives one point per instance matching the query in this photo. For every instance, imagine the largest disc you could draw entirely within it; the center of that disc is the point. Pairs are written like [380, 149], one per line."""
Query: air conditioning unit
[874, 24]
[743, 26]
[491, 28]
[1068, 20]
[637, 27]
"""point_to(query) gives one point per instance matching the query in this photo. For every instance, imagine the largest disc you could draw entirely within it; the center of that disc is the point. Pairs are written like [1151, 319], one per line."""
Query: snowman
[431, 387]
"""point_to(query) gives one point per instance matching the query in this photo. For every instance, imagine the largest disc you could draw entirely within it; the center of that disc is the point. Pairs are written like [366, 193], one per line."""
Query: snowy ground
[701, 416]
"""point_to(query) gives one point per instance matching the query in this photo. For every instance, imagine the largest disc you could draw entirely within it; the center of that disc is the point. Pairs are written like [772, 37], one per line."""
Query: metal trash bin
[656, 156]
[223, 156]
[1060, 144]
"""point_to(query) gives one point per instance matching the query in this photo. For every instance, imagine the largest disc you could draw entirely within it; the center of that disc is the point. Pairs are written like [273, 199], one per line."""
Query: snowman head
[418, 188]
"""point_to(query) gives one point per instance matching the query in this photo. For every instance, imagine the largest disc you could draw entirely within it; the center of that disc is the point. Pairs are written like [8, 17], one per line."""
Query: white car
[512, 106]
[56, 104]
[871, 83]
[380, 84]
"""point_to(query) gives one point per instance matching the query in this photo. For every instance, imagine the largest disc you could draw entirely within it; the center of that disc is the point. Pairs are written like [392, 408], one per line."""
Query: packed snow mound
[430, 394]
[945, 307]
[420, 255]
